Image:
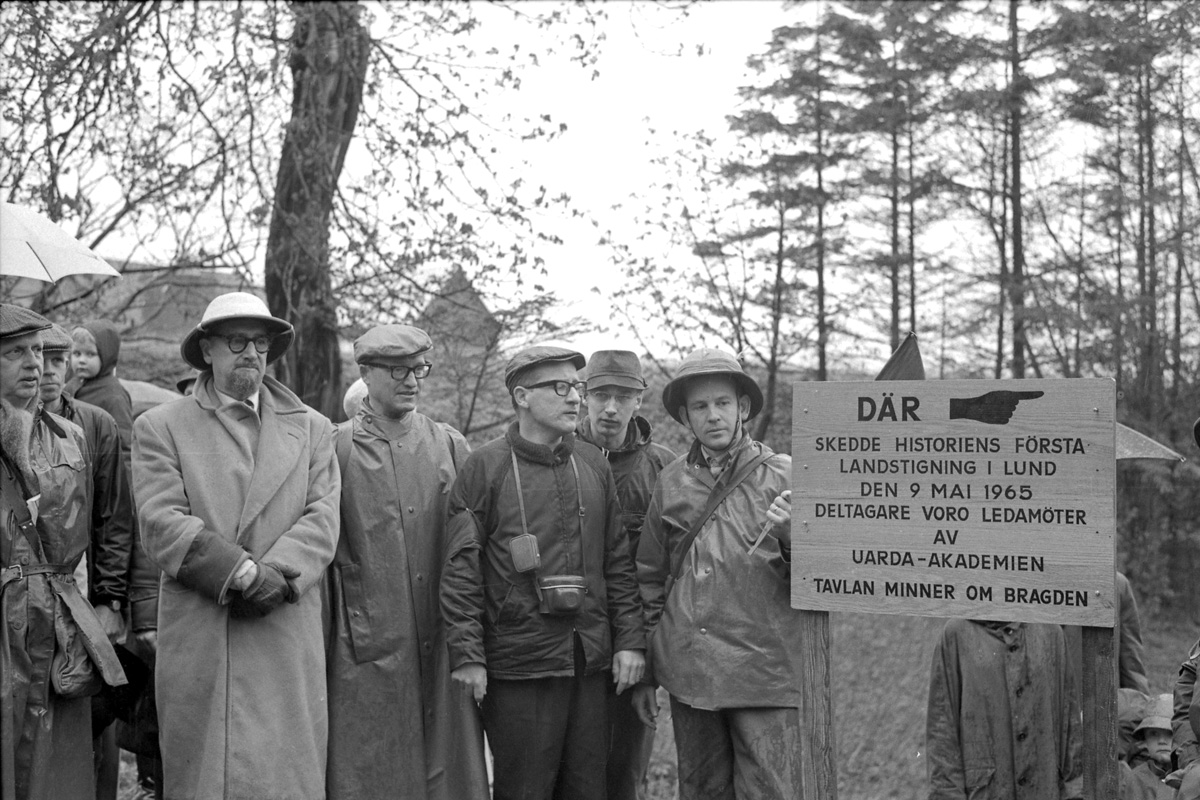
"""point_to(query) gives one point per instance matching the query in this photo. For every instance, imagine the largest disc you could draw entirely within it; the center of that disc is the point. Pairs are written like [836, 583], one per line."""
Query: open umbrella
[31, 246]
[906, 365]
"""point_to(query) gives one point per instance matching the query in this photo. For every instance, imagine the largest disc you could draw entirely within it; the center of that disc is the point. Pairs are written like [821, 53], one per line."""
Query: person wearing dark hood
[714, 565]
[613, 397]
[94, 359]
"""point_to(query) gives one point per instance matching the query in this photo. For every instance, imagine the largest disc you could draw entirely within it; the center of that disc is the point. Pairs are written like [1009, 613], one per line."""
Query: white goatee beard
[16, 431]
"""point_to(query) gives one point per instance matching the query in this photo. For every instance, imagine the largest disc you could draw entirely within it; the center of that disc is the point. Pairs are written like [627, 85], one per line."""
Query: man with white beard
[237, 492]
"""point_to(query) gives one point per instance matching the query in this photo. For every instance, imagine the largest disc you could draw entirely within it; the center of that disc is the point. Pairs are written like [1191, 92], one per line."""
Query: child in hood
[97, 346]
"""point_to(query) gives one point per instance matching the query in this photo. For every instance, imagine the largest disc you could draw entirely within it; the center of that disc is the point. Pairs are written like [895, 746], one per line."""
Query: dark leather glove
[270, 589]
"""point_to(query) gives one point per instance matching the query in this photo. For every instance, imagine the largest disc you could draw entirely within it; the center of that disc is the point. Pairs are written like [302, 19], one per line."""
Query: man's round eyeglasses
[237, 342]
[401, 373]
[561, 388]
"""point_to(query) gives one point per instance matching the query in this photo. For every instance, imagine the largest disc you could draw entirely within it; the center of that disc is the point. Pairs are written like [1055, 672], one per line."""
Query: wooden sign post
[975, 499]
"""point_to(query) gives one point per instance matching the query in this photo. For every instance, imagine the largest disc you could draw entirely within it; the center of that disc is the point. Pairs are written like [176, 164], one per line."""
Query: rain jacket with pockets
[45, 738]
[242, 703]
[398, 727]
[491, 610]
[635, 466]
[726, 635]
[1002, 719]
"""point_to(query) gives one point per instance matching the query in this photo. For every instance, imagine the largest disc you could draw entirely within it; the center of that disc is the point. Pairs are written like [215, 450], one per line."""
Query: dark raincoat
[398, 726]
[112, 512]
[1002, 722]
[635, 466]
[45, 741]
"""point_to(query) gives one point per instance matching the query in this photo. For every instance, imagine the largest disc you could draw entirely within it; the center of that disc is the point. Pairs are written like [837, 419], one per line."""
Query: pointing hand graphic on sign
[993, 408]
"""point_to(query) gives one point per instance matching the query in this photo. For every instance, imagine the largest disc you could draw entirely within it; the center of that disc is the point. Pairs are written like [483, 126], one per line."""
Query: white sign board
[965, 498]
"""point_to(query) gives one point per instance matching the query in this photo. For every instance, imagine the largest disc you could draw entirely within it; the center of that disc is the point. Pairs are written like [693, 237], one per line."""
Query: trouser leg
[629, 747]
[581, 774]
[766, 746]
[526, 723]
[705, 753]
[108, 763]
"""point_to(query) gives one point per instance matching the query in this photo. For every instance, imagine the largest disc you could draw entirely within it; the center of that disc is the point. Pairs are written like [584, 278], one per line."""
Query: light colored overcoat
[241, 702]
[398, 726]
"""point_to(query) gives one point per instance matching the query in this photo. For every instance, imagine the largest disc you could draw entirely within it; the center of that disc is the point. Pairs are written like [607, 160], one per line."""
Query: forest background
[1013, 181]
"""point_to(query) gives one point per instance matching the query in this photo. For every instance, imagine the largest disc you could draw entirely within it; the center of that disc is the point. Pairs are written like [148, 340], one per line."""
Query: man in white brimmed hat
[238, 493]
[714, 564]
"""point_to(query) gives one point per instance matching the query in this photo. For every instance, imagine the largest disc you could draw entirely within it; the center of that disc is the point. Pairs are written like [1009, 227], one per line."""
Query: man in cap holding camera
[398, 726]
[714, 564]
[614, 395]
[237, 493]
[539, 594]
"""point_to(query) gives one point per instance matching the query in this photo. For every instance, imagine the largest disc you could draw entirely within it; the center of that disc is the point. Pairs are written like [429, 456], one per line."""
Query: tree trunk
[1017, 279]
[329, 64]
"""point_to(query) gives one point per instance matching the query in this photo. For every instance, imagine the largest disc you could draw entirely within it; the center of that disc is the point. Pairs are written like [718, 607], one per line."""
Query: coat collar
[540, 453]
[637, 435]
[272, 393]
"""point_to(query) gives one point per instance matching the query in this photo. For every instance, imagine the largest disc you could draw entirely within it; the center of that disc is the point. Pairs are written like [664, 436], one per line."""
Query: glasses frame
[229, 337]
[426, 368]
[578, 386]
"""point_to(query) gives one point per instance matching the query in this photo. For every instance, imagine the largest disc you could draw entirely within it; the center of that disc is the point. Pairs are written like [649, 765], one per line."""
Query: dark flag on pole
[905, 364]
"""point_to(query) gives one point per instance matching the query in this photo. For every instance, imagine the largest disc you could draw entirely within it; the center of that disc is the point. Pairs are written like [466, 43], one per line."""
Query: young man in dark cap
[614, 395]
[714, 564]
[398, 726]
[539, 594]
[237, 492]
[53, 650]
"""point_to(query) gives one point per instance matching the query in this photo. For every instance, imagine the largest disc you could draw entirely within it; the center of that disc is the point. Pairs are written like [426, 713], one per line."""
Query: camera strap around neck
[525, 520]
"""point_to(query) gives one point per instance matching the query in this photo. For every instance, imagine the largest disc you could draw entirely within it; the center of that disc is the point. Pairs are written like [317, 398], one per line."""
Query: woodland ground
[881, 675]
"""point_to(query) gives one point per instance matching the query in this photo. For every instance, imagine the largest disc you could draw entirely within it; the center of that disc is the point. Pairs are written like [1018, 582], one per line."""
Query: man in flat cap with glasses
[398, 726]
[614, 395]
[237, 492]
[538, 593]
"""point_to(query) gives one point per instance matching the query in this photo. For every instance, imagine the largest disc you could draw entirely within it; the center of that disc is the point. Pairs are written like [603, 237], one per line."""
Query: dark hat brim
[282, 330]
[674, 394]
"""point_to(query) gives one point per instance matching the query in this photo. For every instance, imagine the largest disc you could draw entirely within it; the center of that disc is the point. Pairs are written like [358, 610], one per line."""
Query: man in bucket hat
[237, 492]
[614, 394]
[54, 652]
[398, 726]
[539, 593]
[714, 564]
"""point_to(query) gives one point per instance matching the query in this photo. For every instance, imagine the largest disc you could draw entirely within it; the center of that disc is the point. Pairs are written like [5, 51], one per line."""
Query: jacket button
[704, 631]
[420, 577]
[354, 613]
[411, 510]
[1021, 736]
